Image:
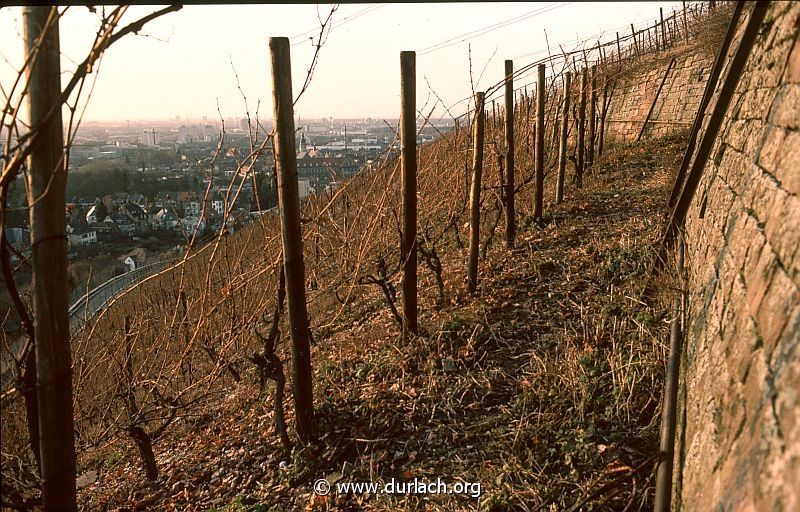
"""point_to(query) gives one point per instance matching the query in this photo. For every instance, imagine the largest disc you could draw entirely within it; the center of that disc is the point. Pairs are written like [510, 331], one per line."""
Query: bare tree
[38, 149]
[46, 183]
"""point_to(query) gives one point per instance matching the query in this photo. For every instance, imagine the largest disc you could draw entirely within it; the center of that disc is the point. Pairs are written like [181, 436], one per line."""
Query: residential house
[165, 218]
[126, 227]
[81, 237]
[216, 202]
[135, 215]
[192, 224]
[134, 259]
[93, 213]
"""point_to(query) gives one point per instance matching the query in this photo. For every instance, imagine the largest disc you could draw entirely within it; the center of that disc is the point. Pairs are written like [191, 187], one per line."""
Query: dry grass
[544, 387]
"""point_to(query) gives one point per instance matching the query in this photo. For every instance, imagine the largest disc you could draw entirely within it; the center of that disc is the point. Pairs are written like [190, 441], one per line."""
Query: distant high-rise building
[244, 124]
[150, 138]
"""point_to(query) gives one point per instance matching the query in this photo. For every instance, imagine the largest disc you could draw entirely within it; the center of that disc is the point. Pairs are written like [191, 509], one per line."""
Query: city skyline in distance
[185, 65]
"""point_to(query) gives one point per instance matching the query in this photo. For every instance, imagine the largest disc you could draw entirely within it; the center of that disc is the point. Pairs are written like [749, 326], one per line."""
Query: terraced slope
[544, 387]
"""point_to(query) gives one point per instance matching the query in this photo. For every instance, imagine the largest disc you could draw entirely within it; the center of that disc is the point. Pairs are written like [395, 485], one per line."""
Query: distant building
[150, 138]
[134, 259]
[217, 203]
[135, 214]
[82, 237]
[193, 224]
[304, 187]
[165, 218]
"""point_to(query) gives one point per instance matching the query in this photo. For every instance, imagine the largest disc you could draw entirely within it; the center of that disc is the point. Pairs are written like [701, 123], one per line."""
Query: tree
[48, 389]
[46, 184]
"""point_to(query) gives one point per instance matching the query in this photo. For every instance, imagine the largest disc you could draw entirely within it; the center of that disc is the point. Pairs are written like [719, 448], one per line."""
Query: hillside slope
[544, 387]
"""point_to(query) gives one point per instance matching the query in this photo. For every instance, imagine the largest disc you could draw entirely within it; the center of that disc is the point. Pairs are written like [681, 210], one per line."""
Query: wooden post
[603, 111]
[408, 158]
[592, 117]
[581, 129]
[46, 188]
[539, 155]
[619, 51]
[289, 202]
[562, 149]
[475, 194]
[509, 118]
[685, 23]
[635, 44]
[676, 31]
[663, 29]
[654, 37]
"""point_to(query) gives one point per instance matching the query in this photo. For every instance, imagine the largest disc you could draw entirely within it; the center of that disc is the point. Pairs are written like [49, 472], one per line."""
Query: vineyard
[544, 382]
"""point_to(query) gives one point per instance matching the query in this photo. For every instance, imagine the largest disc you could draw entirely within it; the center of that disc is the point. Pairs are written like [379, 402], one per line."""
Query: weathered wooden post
[581, 130]
[289, 203]
[46, 185]
[509, 119]
[655, 37]
[603, 111]
[562, 149]
[635, 44]
[408, 158]
[685, 23]
[539, 155]
[475, 194]
[592, 117]
[676, 30]
[663, 28]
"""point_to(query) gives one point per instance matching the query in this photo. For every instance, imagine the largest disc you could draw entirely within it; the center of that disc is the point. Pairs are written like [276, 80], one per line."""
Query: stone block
[775, 310]
[786, 164]
[758, 270]
[771, 146]
[793, 66]
[782, 231]
[786, 109]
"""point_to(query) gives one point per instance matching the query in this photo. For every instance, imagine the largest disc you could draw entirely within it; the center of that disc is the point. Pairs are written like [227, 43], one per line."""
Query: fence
[95, 300]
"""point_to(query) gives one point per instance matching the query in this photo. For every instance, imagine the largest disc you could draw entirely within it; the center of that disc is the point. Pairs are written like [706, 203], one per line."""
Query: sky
[183, 63]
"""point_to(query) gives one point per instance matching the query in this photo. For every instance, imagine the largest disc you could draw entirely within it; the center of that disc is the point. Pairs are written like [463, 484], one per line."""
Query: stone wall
[675, 107]
[738, 443]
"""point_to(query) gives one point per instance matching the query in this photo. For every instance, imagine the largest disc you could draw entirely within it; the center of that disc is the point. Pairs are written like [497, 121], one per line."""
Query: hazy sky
[182, 67]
